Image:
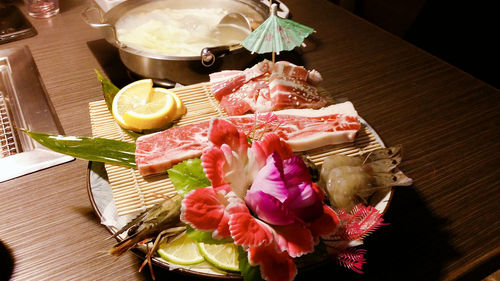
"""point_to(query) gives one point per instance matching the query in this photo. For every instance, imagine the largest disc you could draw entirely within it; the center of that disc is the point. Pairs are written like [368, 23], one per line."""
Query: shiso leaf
[203, 236]
[188, 175]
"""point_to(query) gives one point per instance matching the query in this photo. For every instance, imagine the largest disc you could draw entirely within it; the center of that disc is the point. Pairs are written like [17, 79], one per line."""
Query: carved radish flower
[262, 198]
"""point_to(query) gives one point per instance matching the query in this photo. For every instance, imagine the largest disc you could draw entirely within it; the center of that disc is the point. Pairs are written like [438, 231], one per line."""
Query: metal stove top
[24, 105]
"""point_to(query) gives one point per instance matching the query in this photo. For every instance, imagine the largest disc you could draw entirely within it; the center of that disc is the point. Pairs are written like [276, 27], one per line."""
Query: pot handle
[210, 54]
[94, 12]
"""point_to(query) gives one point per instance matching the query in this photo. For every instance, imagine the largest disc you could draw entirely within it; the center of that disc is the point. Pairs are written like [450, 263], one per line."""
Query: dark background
[462, 33]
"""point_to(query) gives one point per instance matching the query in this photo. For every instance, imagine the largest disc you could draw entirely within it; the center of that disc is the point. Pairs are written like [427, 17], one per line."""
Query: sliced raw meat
[234, 105]
[264, 102]
[303, 129]
[290, 70]
[246, 99]
[289, 92]
[226, 82]
[158, 152]
[306, 129]
[257, 70]
[267, 87]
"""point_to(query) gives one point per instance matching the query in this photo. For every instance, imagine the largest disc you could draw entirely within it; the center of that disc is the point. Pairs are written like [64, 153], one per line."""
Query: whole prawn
[348, 181]
[161, 220]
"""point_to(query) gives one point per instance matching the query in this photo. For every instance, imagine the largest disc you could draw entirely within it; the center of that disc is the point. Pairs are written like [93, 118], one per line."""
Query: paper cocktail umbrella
[276, 34]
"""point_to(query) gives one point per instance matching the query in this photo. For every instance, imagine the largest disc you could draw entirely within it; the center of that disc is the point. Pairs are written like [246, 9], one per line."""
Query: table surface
[444, 227]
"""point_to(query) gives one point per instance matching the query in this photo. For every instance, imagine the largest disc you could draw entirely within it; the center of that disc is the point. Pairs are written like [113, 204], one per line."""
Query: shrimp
[348, 181]
[161, 220]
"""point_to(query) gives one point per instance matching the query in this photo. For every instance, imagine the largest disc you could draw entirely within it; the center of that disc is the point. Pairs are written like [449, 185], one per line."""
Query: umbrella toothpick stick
[273, 11]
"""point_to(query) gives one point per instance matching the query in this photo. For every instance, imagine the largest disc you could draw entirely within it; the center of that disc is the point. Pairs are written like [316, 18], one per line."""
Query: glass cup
[42, 8]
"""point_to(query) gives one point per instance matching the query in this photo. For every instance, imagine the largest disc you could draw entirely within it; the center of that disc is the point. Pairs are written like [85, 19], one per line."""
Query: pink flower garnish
[204, 209]
[268, 193]
[274, 264]
[213, 165]
[352, 228]
[294, 238]
[356, 225]
[352, 259]
[282, 192]
[288, 214]
[243, 223]
[262, 126]
[226, 162]
[270, 143]
[222, 131]
[325, 224]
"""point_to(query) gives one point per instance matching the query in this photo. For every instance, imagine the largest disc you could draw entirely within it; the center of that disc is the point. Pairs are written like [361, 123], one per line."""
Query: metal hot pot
[181, 69]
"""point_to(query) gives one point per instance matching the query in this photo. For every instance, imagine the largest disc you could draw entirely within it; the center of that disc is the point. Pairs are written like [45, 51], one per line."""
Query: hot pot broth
[180, 29]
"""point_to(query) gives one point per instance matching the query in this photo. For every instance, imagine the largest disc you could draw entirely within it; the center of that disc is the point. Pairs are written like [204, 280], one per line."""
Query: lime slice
[182, 250]
[222, 256]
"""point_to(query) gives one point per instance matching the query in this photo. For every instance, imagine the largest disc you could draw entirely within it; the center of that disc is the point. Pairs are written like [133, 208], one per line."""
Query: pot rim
[107, 21]
[150, 55]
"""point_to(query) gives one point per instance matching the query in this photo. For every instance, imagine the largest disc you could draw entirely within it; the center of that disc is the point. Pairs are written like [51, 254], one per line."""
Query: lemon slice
[180, 107]
[222, 256]
[182, 250]
[138, 106]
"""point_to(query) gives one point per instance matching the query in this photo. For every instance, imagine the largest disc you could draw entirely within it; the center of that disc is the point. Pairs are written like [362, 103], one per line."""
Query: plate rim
[186, 271]
[156, 260]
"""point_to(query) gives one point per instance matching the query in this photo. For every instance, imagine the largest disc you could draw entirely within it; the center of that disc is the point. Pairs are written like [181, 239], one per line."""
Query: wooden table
[445, 227]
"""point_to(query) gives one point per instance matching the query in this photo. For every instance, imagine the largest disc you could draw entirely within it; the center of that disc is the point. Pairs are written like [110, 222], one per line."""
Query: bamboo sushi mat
[133, 192]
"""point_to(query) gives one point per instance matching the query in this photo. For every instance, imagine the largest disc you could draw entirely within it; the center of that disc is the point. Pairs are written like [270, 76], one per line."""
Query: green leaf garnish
[203, 236]
[248, 272]
[188, 175]
[132, 134]
[92, 149]
[109, 90]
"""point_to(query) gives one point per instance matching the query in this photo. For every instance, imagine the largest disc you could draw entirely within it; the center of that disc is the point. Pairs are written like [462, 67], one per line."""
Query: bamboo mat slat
[133, 192]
